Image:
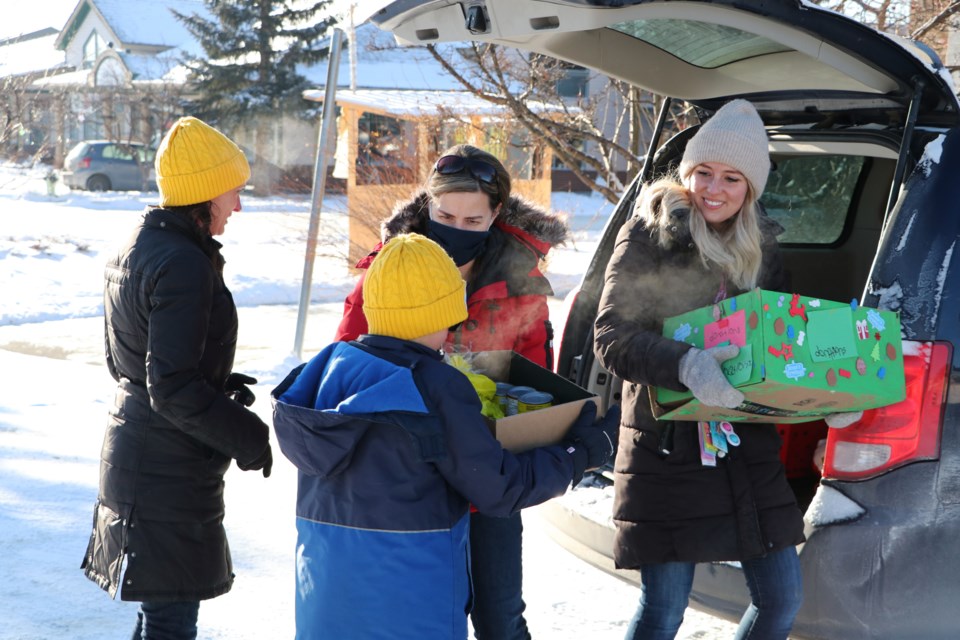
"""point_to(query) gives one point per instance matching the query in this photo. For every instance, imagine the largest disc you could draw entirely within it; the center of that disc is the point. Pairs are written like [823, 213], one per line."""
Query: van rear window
[702, 44]
[811, 195]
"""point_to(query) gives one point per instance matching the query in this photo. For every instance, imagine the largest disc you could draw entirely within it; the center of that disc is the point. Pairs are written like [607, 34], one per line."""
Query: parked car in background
[864, 131]
[102, 165]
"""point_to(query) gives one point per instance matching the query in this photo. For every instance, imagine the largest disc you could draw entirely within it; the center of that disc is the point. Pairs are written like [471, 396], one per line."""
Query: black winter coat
[171, 332]
[672, 508]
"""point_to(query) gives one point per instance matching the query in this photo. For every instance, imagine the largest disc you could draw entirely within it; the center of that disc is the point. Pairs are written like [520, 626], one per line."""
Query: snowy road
[566, 598]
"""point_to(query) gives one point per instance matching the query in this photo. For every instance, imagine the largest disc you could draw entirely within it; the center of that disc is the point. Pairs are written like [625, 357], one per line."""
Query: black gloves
[592, 443]
[263, 461]
[236, 388]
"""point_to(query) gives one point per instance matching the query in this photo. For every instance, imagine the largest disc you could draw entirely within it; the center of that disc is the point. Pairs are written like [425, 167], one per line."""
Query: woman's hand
[842, 420]
[237, 389]
[700, 371]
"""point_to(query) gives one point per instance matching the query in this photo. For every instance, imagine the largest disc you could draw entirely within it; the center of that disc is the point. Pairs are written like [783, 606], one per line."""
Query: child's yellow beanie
[413, 289]
[196, 163]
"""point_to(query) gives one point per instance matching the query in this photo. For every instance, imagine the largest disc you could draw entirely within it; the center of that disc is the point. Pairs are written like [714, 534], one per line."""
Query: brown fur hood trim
[678, 231]
[411, 217]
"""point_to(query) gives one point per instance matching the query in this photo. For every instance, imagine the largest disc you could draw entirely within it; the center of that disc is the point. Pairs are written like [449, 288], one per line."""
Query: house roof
[28, 18]
[72, 78]
[382, 64]
[136, 23]
[150, 42]
[150, 22]
[362, 9]
[30, 53]
[419, 104]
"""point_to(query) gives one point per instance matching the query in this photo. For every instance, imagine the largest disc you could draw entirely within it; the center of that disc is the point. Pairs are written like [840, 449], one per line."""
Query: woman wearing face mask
[497, 240]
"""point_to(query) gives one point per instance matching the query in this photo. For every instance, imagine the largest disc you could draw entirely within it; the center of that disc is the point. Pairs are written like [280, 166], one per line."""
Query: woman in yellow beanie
[497, 241]
[695, 239]
[390, 446]
[180, 414]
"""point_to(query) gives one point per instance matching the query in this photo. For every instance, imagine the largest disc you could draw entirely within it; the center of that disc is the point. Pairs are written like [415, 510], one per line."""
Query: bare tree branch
[936, 21]
[525, 86]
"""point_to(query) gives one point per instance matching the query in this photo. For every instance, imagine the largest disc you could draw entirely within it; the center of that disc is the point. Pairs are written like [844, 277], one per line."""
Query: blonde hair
[735, 249]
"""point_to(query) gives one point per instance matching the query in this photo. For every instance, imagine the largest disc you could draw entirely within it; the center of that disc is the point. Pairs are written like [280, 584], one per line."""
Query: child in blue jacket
[391, 450]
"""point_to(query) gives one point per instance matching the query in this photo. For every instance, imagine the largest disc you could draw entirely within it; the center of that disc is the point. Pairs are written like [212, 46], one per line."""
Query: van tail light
[901, 433]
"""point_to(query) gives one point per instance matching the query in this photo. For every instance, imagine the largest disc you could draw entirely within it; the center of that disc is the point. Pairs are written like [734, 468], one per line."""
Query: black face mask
[462, 246]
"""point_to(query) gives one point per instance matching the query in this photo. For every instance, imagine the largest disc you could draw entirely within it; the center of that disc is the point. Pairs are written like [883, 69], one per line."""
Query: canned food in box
[533, 400]
[513, 398]
[502, 389]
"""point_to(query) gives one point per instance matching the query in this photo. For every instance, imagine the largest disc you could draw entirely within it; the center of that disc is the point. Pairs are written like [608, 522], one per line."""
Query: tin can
[513, 399]
[502, 389]
[533, 400]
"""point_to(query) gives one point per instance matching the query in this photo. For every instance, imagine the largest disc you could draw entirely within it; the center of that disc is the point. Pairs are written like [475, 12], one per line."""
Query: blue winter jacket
[391, 449]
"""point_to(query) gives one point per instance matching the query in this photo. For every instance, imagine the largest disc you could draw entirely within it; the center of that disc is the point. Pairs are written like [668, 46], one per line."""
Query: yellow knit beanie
[196, 163]
[413, 289]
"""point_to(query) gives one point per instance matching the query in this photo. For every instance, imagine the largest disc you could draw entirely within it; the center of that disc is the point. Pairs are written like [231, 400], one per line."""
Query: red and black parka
[506, 293]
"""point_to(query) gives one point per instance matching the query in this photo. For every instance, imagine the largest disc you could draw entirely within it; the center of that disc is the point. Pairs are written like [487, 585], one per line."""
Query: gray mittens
[842, 420]
[700, 371]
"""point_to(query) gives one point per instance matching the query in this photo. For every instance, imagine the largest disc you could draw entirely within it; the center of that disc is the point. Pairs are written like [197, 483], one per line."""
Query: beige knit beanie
[413, 289]
[196, 163]
[734, 136]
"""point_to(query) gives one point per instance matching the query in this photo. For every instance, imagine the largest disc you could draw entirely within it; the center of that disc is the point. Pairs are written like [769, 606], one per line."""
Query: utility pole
[319, 187]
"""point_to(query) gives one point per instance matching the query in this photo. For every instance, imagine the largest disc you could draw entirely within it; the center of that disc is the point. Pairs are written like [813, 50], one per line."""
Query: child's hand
[592, 443]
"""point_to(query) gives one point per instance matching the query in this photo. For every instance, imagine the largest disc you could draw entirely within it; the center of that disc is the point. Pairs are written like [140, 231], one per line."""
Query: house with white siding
[111, 71]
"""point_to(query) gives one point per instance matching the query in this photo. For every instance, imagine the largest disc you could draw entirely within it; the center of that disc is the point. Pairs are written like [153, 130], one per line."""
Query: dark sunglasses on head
[479, 169]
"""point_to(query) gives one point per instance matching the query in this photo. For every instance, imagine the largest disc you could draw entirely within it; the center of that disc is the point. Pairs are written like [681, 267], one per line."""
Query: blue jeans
[496, 561]
[776, 592]
[166, 621]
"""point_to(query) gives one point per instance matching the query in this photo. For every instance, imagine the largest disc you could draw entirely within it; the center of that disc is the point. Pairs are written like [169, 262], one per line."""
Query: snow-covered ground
[54, 393]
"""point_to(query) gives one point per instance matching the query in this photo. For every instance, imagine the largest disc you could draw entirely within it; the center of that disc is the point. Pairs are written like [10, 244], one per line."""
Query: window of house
[520, 157]
[385, 153]
[573, 83]
[92, 49]
[580, 144]
[811, 195]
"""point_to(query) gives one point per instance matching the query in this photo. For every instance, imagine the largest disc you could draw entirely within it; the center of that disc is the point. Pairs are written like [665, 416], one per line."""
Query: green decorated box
[800, 358]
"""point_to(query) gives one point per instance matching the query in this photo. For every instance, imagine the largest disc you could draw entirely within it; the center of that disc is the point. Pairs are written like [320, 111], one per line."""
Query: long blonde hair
[734, 249]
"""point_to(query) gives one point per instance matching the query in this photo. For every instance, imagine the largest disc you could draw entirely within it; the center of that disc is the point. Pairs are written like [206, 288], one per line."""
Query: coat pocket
[103, 562]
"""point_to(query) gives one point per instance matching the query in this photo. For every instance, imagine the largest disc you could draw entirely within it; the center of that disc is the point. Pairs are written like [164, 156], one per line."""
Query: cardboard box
[535, 428]
[800, 358]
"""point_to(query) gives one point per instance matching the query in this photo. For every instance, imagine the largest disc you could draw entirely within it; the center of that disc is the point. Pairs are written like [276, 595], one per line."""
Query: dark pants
[496, 561]
[166, 621]
[776, 592]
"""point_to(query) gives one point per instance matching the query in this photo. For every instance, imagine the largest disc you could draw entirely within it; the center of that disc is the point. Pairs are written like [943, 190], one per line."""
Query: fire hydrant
[51, 180]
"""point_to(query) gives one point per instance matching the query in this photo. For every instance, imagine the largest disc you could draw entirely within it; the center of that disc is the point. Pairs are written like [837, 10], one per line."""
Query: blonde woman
[695, 239]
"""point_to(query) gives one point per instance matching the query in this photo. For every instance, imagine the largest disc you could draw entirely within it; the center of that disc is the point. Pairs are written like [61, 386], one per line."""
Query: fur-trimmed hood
[545, 228]
[677, 232]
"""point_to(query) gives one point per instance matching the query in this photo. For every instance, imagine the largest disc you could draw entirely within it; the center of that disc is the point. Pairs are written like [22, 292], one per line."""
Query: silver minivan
[864, 131]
